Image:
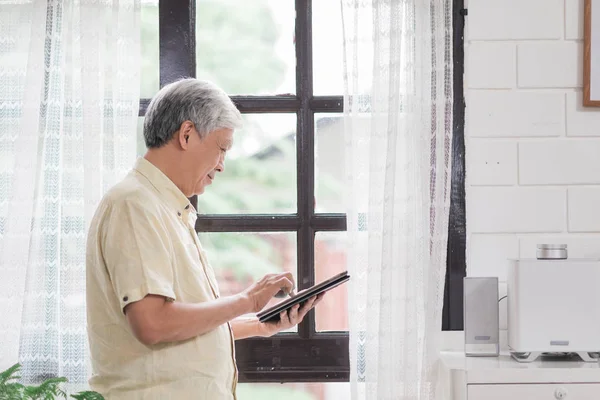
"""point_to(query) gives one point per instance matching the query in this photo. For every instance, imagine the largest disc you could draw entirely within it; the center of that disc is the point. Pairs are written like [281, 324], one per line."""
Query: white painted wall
[532, 150]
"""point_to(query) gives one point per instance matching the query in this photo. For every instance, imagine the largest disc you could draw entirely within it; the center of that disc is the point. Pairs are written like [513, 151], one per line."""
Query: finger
[303, 313]
[318, 299]
[282, 283]
[291, 293]
[287, 275]
[309, 303]
[268, 277]
[284, 318]
[294, 314]
[307, 306]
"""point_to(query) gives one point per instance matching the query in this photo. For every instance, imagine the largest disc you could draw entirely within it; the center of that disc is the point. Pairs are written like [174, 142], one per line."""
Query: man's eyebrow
[228, 144]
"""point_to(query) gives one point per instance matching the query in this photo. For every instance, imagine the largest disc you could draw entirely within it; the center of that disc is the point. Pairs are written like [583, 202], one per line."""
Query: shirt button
[178, 213]
[187, 207]
[125, 298]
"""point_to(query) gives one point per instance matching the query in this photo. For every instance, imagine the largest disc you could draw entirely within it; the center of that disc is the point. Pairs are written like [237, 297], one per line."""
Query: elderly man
[157, 327]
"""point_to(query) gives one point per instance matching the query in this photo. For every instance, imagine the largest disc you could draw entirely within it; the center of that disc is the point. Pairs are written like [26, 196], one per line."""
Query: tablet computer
[271, 314]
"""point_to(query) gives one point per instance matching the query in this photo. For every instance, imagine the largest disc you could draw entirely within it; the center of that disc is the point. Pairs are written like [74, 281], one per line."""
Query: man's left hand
[291, 317]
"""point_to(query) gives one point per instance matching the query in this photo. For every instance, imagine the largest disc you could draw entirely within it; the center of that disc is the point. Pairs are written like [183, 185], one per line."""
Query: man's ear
[183, 134]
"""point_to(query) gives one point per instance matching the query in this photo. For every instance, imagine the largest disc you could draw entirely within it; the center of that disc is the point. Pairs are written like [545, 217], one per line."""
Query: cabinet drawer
[550, 391]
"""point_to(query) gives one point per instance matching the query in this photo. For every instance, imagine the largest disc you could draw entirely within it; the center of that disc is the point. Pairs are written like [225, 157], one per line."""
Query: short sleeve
[137, 252]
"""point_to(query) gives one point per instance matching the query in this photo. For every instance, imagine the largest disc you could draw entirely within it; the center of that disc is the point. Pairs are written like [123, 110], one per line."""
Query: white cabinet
[502, 378]
[549, 391]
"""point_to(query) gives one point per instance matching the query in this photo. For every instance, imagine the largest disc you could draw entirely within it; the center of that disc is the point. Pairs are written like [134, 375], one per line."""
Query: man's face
[209, 156]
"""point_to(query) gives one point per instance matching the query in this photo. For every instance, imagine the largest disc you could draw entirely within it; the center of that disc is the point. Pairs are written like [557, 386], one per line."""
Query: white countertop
[504, 369]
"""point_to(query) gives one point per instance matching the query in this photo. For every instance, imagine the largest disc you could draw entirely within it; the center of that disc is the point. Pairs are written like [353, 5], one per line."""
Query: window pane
[260, 169]
[330, 258]
[293, 391]
[239, 259]
[150, 59]
[246, 47]
[327, 48]
[329, 163]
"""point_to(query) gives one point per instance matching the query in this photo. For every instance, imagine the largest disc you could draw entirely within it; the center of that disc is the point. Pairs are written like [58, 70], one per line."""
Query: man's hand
[291, 317]
[262, 291]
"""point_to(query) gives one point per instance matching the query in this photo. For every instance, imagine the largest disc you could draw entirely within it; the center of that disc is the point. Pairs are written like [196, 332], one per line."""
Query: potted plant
[50, 389]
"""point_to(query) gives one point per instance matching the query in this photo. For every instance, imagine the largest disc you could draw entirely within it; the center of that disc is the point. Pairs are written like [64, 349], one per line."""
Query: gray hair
[201, 102]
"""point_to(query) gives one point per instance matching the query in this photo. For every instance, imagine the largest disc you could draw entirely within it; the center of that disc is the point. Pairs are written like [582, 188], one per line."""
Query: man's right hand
[265, 289]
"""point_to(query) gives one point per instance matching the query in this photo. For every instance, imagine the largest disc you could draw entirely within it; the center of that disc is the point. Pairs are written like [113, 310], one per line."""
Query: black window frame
[308, 356]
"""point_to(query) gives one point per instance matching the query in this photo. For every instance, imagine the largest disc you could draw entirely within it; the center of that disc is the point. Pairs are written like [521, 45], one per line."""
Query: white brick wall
[559, 162]
[549, 64]
[573, 18]
[492, 162]
[581, 121]
[516, 209]
[508, 113]
[532, 149]
[583, 209]
[491, 65]
[515, 19]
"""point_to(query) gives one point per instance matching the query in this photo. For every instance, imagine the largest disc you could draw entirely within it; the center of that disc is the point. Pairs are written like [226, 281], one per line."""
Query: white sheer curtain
[69, 98]
[398, 126]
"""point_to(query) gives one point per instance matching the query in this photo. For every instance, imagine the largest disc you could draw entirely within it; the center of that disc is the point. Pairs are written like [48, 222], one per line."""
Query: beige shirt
[142, 241]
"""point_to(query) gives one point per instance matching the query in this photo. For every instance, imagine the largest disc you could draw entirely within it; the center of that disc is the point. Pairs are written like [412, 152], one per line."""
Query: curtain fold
[398, 135]
[69, 100]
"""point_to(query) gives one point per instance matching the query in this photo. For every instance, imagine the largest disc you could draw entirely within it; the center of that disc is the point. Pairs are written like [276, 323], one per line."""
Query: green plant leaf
[48, 390]
[10, 374]
[12, 391]
[88, 395]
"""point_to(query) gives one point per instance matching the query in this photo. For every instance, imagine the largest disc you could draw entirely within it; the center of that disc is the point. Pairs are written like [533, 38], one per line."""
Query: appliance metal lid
[552, 246]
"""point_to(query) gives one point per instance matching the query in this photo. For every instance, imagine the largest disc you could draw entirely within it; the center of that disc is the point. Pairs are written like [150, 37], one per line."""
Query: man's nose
[221, 165]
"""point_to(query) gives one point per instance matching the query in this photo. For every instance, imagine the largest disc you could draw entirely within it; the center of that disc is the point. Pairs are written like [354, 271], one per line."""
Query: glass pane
[327, 48]
[260, 169]
[140, 143]
[239, 259]
[329, 163]
[330, 258]
[293, 391]
[150, 59]
[246, 47]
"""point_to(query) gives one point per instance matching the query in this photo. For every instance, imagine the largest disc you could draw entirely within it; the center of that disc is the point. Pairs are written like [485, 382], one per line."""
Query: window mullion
[331, 104]
[305, 156]
[247, 223]
[177, 38]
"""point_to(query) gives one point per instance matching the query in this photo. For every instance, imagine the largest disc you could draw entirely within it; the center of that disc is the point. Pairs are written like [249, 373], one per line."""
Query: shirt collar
[167, 189]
